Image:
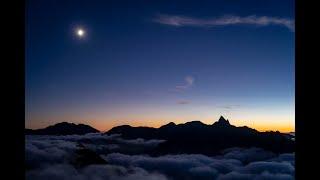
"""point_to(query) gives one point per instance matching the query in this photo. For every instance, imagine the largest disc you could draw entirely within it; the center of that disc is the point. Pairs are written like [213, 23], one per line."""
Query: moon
[80, 32]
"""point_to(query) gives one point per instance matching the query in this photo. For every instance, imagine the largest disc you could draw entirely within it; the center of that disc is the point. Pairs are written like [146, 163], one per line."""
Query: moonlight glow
[149, 64]
[80, 32]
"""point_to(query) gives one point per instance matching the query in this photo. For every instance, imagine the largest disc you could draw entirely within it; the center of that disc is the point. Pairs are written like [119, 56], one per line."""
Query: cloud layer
[197, 166]
[48, 157]
[175, 20]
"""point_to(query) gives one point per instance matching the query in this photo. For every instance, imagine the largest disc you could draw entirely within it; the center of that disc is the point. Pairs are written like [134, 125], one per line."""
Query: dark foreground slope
[84, 157]
[63, 128]
[196, 137]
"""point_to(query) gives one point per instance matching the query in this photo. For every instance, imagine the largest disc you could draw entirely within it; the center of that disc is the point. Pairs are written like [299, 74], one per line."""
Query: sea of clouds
[48, 157]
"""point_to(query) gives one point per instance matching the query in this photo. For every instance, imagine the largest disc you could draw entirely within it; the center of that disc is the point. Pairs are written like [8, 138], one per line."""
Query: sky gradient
[152, 62]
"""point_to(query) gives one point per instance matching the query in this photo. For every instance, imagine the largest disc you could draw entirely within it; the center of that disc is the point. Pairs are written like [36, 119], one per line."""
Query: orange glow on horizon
[284, 128]
[105, 125]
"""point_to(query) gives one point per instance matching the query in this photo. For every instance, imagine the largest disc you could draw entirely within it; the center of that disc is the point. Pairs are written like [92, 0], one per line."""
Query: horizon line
[102, 131]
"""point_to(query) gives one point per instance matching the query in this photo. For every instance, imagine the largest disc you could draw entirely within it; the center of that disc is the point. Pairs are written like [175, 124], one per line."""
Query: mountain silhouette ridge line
[221, 121]
[190, 137]
[197, 137]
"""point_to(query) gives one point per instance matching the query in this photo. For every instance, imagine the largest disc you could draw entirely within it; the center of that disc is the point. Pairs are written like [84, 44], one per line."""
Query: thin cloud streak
[179, 21]
[189, 80]
[183, 102]
[229, 107]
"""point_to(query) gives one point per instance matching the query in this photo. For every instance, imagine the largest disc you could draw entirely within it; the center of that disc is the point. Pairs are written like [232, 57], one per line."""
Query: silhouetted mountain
[84, 157]
[222, 122]
[132, 132]
[63, 128]
[196, 137]
[169, 125]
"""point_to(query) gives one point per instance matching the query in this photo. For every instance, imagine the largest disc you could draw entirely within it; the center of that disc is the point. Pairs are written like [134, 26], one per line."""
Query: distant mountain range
[190, 137]
[196, 137]
[63, 128]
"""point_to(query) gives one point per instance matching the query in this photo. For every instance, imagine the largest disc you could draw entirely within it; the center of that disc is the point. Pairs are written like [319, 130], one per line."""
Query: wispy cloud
[183, 102]
[188, 82]
[176, 20]
[229, 107]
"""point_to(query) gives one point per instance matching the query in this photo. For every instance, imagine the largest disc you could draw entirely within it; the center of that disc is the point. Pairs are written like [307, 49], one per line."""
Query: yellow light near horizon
[282, 128]
[102, 123]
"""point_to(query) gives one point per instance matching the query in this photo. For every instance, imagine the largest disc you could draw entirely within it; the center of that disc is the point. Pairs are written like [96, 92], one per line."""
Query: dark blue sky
[152, 62]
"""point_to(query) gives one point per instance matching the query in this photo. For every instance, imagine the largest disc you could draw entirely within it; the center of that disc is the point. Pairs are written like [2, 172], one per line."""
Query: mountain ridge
[190, 137]
[197, 137]
[63, 128]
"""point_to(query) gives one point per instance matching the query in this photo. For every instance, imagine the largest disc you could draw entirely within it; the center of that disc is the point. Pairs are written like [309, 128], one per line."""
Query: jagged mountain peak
[222, 121]
[197, 137]
[222, 118]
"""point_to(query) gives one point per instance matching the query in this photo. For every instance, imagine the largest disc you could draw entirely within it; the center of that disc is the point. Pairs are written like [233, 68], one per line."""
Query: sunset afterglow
[105, 64]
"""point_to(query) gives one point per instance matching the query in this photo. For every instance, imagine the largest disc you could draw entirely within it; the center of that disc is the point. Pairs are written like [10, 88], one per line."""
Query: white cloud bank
[180, 21]
[47, 157]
